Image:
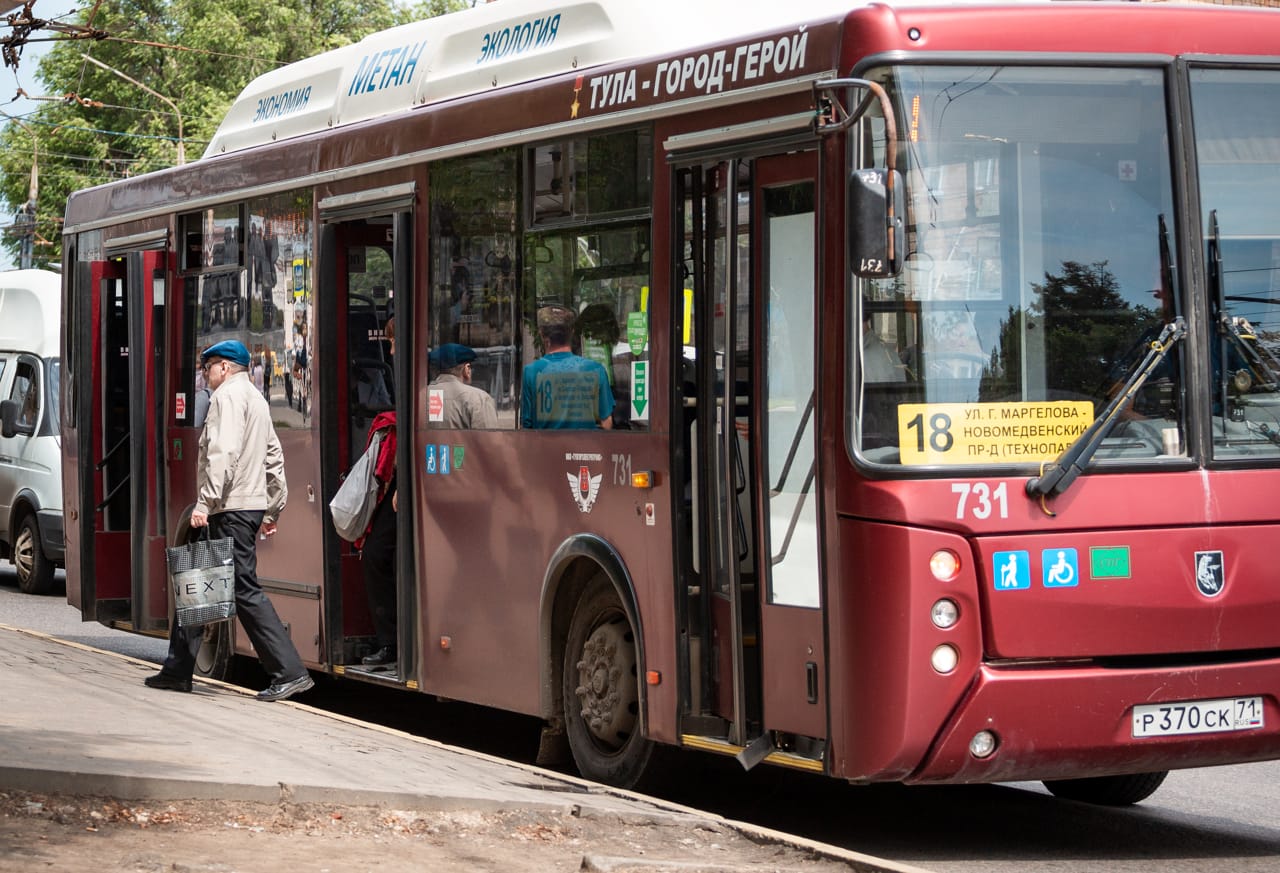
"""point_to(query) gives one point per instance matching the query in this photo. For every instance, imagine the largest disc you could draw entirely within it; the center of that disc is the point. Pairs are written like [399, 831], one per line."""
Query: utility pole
[24, 220]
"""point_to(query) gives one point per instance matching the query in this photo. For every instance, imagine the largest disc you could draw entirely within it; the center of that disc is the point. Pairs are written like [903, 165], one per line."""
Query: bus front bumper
[1079, 721]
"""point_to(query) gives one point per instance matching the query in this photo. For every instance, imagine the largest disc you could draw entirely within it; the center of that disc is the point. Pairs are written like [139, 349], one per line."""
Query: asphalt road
[1208, 821]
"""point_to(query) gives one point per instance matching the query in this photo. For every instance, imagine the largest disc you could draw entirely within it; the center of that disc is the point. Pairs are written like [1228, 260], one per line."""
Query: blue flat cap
[450, 355]
[229, 350]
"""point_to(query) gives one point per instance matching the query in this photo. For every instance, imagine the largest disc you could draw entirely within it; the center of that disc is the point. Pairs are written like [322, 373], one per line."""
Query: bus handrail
[124, 440]
[795, 515]
[114, 491]
[795, 445]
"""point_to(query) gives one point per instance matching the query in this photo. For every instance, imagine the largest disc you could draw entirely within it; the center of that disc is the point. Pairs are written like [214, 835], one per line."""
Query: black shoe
[167, 682]
[384, 655]
[283, 690]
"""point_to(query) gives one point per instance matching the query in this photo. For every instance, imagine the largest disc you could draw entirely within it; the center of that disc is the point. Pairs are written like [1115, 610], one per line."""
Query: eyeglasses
[204, 368]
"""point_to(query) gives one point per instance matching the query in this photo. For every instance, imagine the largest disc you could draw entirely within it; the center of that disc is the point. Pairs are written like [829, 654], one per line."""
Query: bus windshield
[1237, 126]
[1036, 275]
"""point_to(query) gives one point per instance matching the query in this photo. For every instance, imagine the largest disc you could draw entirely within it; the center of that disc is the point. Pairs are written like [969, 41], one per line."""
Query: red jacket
[384, 467]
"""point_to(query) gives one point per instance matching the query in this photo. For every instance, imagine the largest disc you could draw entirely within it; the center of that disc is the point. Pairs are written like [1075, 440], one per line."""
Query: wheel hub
[24, 554]
[606, 689]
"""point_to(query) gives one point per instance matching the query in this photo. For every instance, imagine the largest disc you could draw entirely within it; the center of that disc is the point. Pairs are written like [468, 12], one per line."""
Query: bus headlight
[944, 564]
[945, 658]
[945, 613]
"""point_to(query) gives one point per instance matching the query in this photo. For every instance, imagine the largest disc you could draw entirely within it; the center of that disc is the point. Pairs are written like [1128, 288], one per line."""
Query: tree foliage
[198, 54]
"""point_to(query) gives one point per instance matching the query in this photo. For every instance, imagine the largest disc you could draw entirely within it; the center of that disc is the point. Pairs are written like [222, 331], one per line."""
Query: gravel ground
[78, 834]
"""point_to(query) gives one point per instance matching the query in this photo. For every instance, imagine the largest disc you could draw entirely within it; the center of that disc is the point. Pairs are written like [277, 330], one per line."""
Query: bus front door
[749, 557]
[120, 572]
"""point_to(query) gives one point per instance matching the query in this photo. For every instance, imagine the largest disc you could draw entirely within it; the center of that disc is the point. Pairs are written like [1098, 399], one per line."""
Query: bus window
[601, 275]
[600, 272]
[1238, 143]
[251, 284]
[1031, 284]
[474, 299]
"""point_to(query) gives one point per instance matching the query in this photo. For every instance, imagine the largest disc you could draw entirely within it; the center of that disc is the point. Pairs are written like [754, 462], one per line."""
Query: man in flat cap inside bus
[561, 389]
[465, 406]
[240, 492]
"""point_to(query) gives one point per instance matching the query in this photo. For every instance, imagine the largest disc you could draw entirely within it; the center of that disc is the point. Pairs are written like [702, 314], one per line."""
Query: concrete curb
[135, 787]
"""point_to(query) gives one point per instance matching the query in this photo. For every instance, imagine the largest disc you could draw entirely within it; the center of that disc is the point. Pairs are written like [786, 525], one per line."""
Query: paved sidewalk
[78, 720]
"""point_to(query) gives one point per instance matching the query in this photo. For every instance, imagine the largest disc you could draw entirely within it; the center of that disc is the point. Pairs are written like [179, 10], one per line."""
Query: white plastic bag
[353, 505]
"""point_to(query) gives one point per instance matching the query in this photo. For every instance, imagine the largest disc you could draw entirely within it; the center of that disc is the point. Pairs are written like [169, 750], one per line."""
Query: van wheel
[35, 571]
[1108, 790]
[601, 689]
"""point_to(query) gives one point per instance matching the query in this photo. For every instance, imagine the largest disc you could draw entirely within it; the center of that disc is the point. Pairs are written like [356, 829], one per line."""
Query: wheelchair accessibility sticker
[1061, 568]
[1011, 571]
[438, 463]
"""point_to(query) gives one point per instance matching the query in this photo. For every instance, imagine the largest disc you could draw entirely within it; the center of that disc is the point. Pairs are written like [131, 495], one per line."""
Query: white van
[30, 444]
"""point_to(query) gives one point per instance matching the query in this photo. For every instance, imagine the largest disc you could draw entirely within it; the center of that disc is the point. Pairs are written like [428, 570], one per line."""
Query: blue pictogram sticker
[431, 459]
[1061, 568]
[444, 460]
[1011, 571]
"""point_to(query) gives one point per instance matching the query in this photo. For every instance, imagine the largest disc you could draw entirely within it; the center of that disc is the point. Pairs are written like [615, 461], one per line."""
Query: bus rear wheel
[217, 656]
[1108, 790]
[601, 686]
[35, 571]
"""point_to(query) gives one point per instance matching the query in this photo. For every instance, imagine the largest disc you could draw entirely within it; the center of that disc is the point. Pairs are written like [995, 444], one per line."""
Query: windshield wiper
[1230, 334]
[1059, 475]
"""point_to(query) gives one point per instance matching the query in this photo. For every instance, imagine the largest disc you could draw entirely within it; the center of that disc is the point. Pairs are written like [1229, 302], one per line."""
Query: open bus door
[366, 258]
[117, 534]
[755, 680]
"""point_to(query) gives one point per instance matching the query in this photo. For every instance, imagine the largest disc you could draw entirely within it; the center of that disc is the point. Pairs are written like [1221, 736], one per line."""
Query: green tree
[198, 54]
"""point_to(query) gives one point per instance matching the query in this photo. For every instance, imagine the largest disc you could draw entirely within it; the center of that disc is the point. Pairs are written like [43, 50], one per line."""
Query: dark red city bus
[946, 396]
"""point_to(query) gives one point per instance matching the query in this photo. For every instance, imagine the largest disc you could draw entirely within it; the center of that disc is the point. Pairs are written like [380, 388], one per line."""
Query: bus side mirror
[876, 239]
[9, 427]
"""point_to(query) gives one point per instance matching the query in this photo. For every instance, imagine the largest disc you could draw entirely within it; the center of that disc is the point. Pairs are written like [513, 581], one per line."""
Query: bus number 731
[985, 499]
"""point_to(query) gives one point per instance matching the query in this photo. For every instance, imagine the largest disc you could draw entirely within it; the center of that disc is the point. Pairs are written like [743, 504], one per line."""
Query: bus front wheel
[601, 686]
[1108, 790]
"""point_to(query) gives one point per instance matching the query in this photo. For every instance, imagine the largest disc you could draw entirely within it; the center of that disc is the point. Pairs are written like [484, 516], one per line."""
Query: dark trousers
[258, 617]
[378, 562]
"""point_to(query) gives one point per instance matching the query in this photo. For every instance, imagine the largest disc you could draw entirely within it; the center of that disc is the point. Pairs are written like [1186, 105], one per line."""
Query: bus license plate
[1197, 717]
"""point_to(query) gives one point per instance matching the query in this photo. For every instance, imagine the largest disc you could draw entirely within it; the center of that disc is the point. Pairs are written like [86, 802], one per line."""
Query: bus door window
[117, 404]
[371, 383]
[788, 274]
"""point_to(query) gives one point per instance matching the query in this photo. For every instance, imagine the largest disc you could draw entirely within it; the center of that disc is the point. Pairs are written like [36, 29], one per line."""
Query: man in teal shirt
[562, 390]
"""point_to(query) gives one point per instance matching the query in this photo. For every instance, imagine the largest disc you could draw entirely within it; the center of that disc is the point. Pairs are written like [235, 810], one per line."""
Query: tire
[217, 656]
[1108, 790]
[601, 686]
[35, 571]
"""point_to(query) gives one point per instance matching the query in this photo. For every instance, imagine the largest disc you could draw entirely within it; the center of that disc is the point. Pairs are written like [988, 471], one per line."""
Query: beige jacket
[241, 465]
